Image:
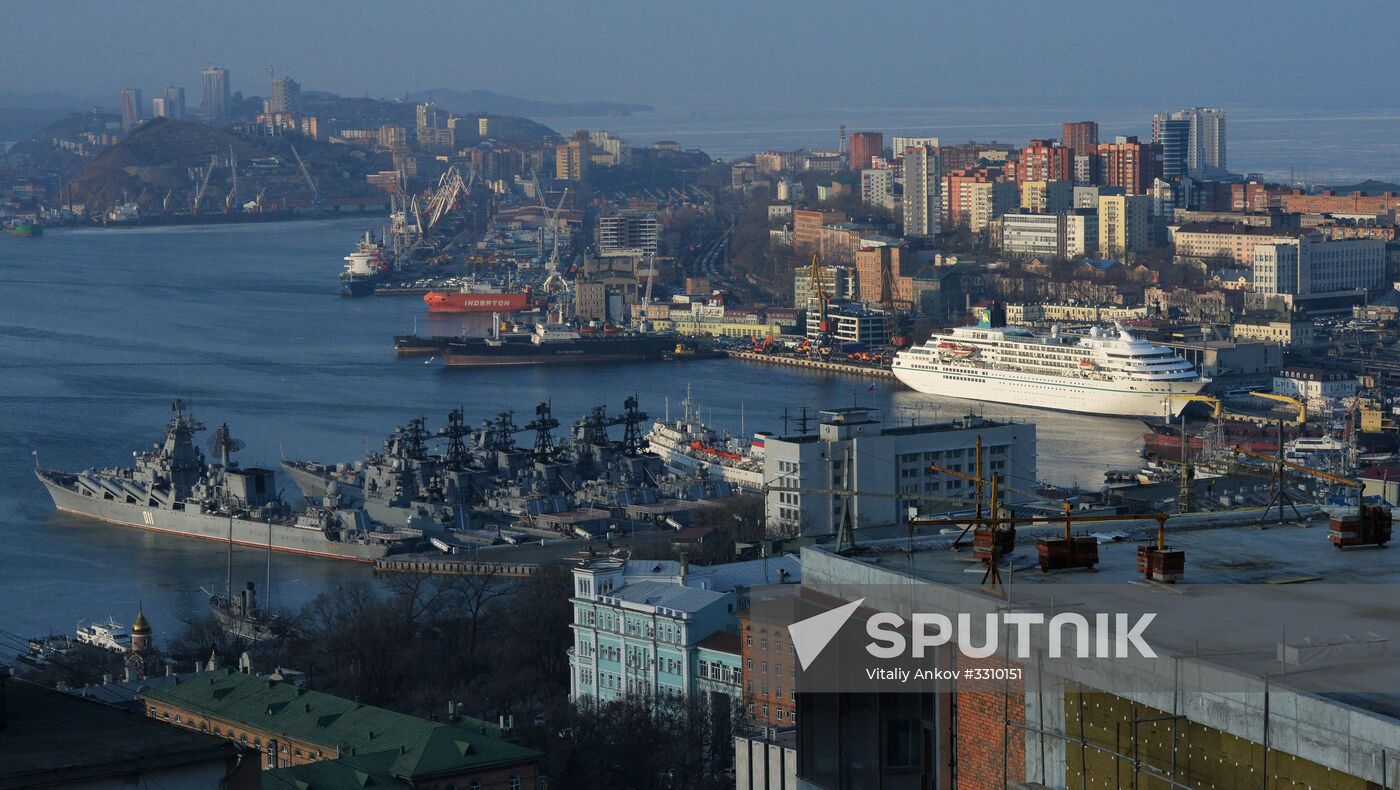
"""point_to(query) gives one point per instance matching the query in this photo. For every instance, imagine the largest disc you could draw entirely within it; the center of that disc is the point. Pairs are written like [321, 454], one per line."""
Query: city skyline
[736, 56]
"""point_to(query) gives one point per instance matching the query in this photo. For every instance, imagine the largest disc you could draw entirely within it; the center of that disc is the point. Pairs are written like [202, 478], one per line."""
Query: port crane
[1294, 402]
[1278, 490]
[310, 182]
[231, 200]
[204, 183]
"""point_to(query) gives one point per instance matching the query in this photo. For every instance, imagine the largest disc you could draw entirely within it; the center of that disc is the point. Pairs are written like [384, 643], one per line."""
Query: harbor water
[101, 329]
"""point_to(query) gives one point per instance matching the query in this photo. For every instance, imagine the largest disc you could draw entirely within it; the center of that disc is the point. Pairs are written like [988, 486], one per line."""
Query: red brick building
[864, 145]
[1130, 164]
[1081, 137]
[770, 673]
[1043, 160]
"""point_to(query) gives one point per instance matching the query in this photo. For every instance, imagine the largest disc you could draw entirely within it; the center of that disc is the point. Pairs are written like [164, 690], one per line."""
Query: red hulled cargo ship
[476, 302]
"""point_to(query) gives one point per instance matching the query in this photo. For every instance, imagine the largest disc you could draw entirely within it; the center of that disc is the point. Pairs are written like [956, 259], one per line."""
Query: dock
[844, 368]
[445, 565]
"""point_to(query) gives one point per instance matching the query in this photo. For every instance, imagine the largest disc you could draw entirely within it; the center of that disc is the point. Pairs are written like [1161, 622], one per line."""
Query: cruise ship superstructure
[1104, 372]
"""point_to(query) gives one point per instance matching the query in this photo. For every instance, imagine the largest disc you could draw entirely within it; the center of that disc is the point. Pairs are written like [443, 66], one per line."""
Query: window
[514, 782]
[901, 743]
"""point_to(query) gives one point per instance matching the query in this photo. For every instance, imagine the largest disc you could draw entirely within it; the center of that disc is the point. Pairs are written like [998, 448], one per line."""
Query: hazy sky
[674, 53]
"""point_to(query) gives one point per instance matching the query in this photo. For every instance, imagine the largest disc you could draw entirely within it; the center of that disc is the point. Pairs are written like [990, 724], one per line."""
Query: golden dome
[142, 625]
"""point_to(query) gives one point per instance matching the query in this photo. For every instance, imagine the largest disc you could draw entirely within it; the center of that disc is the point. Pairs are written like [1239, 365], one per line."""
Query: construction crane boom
[1211, 400]
[553, 265]
[1307, 470]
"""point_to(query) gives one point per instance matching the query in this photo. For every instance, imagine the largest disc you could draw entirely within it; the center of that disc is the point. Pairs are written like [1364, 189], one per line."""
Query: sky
[672, 53]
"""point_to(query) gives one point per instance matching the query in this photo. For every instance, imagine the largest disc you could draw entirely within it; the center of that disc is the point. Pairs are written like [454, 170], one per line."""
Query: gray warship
[482, 475]
[173, 489]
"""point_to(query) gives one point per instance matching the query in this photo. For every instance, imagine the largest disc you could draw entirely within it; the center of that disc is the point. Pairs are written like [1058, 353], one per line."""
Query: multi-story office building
[1081, 137]
[852, 323]
[285, 95]
[772, 163]
[1205, 147]
[1043, 160]
[837, 282]
[1065, 234]
[1225, 242]
[628, 231]
[1129, 164]
[922, 182]
[1312, 265]
[864, 147]
[216, 94]
[639, 627]
[852, 450]
[132, 107]
[1125, 224]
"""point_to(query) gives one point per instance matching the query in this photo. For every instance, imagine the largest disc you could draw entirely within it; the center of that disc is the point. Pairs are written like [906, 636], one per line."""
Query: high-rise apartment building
[864, 147]
[1081, 137]
[131, 107]
[877, 187]
[898, 144]
[174, 104]
[285, 95]
[571, 158]
[1125, 224]
[1174, 135]
[628, 232]
[216, 94]
[922, 205]
[1205, 150]
[1129, 164]
[1043, 160]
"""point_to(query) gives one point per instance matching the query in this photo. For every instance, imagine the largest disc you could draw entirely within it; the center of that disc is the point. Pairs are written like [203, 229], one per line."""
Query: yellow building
[1125, 224]
[571, 160]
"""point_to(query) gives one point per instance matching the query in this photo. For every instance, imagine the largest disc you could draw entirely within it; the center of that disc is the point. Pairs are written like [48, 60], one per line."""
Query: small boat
[110, 636]
[24, 229]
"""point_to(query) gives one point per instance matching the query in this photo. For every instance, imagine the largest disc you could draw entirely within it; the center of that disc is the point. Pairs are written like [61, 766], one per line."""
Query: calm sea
[101, 329]
[1287, 144]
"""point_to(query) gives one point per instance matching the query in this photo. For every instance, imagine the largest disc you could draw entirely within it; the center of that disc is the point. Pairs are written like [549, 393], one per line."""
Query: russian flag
[871, 388]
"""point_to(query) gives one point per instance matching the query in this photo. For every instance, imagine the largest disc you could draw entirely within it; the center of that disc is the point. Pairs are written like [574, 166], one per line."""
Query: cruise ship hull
[1086, 396]
[206, 526]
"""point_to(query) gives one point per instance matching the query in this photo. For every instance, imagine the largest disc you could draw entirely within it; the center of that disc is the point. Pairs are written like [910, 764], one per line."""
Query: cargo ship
[557, 343]
[468, 301]
[24, 229]
[363, 267]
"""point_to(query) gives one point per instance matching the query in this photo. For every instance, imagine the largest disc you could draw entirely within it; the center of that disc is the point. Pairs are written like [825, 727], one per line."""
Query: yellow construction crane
[1294, 402]
[1213, 402]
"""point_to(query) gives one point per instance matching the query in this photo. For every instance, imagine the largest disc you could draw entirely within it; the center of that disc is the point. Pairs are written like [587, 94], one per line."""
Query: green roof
[366, 739]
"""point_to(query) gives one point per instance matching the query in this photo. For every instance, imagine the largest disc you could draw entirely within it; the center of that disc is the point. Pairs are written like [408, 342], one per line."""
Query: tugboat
[363, 267]
[23, 229]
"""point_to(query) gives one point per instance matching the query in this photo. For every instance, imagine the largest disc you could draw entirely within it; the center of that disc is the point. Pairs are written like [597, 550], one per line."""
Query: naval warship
[174, 490]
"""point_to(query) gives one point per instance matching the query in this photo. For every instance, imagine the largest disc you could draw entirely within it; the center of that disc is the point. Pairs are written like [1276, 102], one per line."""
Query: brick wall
[982, 706]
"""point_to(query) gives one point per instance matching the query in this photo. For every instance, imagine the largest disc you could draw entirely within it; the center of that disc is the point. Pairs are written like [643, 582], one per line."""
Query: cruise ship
[1105, 372]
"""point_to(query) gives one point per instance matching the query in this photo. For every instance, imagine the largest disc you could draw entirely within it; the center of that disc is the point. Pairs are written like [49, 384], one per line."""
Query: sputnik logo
[811, 636]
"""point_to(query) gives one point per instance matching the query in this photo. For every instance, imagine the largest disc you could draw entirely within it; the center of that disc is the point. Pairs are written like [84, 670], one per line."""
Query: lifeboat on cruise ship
[701, 447]
[1086, 364]
[963, 351]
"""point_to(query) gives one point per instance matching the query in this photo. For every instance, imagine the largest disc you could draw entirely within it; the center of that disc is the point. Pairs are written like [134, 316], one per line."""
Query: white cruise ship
[1104, 372]
[688, 445]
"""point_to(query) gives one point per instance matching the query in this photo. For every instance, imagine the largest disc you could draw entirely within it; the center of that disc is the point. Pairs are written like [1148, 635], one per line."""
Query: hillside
[468, 102]
[165, 157]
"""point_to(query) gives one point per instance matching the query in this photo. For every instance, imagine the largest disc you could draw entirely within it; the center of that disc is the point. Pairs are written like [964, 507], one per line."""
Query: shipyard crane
[232, 200]
[165, 202]
[823, 345]
[310, 182]
[554, 232]
[1294, 402]
[646, 300]
[1209, 400]
[204, 183]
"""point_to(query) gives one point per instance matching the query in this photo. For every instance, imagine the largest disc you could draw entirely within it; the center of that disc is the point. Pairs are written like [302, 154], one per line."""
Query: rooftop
[69, 740]
[420, 748]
